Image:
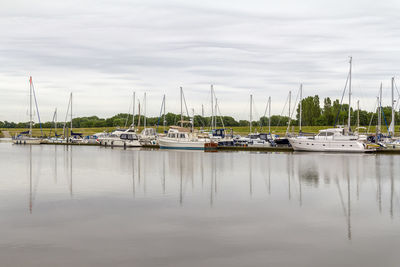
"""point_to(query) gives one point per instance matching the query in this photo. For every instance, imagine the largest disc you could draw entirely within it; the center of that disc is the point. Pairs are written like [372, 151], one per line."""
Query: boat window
[182, 135]
[132, 137]
[123, 136]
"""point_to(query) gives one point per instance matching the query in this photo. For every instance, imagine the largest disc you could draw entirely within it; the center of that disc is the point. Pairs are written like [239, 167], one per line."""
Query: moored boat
[182, 138]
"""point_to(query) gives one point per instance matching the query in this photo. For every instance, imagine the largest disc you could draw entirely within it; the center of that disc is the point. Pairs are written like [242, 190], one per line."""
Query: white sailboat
[333, 139]
[122, 138]
[26, 137]
[255, 139]
[148, 136]
[183, 137]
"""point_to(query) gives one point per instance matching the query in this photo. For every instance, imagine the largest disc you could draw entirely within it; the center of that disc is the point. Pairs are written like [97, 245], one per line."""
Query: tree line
[330, 114]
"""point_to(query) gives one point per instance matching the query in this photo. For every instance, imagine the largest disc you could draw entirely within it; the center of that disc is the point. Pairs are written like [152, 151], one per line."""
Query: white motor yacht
[330, 140]
[182, 138]
[119, 138]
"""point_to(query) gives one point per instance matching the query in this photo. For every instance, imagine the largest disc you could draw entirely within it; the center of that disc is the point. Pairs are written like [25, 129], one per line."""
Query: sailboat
[26, 137]
[180, 137]
[333, 139]
[122, 138]
[390, 141]
[255, 139]
[148, 136]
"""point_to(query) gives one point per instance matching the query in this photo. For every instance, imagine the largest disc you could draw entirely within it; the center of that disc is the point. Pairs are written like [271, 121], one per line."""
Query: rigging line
[220, 114]
[66, 115]
[295, 103]
[395, 85]
[184, 100]
[291, 115]
[384, 117]
[341, 101]
[255, 110]
[37, 109]
[265, 113]
[280, 117]
[398, 98]
[370, 122]
[51, 128]
[127, 117]
[159, 118]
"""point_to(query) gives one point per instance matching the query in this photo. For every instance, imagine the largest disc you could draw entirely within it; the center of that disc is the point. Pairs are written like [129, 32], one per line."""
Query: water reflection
[242, 198]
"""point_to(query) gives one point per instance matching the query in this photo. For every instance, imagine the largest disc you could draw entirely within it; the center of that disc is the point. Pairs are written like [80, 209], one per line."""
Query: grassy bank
[1, 134]
[237, 130]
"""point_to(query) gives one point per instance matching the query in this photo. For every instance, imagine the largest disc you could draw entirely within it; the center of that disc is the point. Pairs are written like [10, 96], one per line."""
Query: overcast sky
[102, 51]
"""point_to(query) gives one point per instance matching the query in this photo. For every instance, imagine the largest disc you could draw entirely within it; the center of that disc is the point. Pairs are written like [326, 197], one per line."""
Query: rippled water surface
[94, 206]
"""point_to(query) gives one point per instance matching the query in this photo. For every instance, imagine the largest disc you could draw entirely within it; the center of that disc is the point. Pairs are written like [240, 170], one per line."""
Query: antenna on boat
[349, 118]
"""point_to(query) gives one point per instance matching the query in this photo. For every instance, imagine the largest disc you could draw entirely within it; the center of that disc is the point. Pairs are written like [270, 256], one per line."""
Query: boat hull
[119, 143]
[27, 141]
[166, 143]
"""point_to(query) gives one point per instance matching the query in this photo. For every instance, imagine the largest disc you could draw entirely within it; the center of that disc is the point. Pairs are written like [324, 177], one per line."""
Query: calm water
[93, 206]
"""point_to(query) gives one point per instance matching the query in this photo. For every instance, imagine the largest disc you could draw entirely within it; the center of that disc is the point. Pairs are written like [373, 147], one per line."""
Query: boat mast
[192, 120]
[380, 110]
[290, 103]
[145, 108]
[269, 114]
[349, 118]
[55, 123]
[393, 111]
[133, 110]
[181, 107]
[165, 121]
[71, 112]
[139, 114]
[216, 113]
[251, 111]
[358, 114]
[212, 107]
[301, 105]
[30, 106]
